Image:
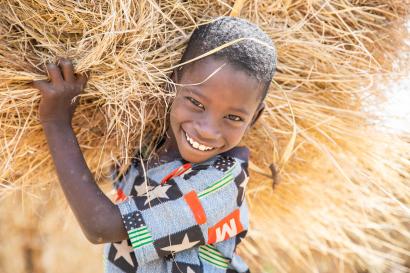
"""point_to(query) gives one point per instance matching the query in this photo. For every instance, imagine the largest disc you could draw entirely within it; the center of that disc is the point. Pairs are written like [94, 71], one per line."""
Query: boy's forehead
[211, 70]
[216, 79]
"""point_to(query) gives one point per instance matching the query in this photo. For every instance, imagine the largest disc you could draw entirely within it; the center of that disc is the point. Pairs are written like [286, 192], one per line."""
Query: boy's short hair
[258, 59]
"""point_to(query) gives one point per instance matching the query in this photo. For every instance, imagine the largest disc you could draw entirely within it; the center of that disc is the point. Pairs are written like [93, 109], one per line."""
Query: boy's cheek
[237, 135]
[179, 111]
[177, 104]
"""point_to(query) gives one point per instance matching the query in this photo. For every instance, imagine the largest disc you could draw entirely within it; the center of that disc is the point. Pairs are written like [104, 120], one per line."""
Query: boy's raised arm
[99, 218]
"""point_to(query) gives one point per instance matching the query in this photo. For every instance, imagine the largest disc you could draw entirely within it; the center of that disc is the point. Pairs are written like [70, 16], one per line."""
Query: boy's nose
[208, 130]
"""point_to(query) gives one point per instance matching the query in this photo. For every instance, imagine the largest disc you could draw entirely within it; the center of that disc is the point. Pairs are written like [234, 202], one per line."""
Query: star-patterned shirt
[182, 217]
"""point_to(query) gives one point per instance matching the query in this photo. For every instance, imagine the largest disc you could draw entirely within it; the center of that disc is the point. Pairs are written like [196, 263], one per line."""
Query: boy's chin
[196, 159]
[194, 156]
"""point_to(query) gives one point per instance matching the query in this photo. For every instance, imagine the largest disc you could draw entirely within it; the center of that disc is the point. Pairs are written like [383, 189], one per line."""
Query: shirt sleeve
[201, 206]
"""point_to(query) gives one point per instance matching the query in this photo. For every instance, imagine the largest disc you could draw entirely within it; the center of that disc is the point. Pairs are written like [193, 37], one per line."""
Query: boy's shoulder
[234, 161]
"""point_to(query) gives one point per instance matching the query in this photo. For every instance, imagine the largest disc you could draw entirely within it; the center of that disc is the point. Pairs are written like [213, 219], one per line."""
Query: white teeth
[196, 145]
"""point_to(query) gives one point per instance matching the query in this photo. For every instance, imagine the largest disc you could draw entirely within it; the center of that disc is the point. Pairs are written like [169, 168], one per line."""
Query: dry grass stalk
[343, 201]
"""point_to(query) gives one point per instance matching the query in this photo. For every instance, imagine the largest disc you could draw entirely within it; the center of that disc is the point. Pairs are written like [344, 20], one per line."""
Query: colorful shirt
[182, 217]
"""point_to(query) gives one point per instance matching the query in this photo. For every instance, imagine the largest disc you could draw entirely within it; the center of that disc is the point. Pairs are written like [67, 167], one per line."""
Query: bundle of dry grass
[342, 204]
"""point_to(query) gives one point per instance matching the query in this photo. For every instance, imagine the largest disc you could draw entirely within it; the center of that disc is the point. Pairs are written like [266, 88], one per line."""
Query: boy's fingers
[68, 69]
[54, 73]
[40, 85]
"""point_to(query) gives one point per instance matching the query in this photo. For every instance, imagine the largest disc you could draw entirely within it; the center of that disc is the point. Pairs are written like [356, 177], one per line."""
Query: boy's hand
[59, 95]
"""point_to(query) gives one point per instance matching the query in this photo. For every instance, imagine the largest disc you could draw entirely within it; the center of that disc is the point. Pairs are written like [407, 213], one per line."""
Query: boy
[184, 209]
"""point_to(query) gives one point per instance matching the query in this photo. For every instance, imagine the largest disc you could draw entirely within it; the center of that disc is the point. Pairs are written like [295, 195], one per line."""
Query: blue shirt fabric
[192, 223]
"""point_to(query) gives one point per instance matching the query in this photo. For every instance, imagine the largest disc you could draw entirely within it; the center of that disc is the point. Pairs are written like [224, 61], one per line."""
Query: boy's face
[212, 117]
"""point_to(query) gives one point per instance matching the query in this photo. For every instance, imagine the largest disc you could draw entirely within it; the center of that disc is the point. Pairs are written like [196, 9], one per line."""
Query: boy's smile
[211, 117]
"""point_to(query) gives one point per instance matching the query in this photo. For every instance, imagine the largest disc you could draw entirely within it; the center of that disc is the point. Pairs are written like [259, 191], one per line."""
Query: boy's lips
[197, 145]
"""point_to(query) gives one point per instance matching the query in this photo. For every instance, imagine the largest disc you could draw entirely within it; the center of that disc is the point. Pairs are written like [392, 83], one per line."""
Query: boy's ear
[258, 113]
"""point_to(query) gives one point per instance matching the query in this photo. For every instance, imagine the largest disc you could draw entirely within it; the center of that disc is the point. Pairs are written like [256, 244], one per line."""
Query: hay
[342, 203]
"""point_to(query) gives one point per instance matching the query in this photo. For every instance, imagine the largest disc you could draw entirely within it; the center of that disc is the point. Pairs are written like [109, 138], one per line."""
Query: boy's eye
[234, 118]
[195, 102]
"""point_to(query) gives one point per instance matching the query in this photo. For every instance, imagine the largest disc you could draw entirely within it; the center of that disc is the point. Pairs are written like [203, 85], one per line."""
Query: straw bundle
[342, 203]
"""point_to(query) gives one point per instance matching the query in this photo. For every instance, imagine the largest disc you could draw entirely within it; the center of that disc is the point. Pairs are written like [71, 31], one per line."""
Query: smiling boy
[186, 212]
